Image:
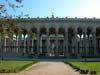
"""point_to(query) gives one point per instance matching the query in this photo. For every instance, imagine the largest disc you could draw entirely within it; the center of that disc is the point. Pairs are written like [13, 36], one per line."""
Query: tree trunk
[17, 44]
[32, 49]
[5, 43]
[24, 46]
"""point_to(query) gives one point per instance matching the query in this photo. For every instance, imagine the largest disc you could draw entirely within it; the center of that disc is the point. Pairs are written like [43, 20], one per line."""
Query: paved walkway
[47, 68]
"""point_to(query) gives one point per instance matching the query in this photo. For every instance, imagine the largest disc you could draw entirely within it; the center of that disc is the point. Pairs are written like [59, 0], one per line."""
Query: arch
[89, 37]
[98, 31]
[24, 31]
[33, 30]
[80, 31]
[33, 35]
[16, 30]
[89, 31]
[80, 46]
[42, 30]
[70, 32]
[61, 30]
[98, 39]
[52, 30]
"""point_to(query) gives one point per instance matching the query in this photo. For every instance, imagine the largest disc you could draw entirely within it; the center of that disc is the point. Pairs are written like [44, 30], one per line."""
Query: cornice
[53, 20]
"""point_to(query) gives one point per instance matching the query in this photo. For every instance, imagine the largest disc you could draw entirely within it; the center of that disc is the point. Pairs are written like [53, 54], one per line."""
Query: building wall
[64, 46]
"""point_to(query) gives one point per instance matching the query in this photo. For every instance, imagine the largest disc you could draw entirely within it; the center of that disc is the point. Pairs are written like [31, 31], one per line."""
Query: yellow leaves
[33, 35]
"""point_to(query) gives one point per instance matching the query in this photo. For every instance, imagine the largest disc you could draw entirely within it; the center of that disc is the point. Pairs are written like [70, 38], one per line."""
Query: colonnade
[68, 42]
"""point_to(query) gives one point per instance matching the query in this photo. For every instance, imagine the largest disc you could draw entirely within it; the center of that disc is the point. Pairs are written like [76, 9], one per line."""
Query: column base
[78, 55]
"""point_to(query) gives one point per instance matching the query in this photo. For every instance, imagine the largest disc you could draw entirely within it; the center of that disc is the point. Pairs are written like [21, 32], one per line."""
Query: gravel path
[47, 68]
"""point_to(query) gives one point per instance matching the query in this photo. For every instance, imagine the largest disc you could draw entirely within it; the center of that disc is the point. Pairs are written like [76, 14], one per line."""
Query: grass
[87, 65]
[90, 66]
[14, 66]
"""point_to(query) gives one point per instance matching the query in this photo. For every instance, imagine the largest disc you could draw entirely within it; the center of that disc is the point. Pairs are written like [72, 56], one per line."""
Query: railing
[18, 51]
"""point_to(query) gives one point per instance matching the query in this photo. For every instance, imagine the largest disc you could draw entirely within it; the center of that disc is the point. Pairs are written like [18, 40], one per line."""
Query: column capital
[85, 28]
[57, 30]
[47, 30]
[66, 29]
[94, 30]
[38, 29]
[75, 30]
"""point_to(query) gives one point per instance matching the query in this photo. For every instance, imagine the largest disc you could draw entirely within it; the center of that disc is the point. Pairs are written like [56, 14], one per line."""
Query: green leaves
[19, 1]
[4, 8]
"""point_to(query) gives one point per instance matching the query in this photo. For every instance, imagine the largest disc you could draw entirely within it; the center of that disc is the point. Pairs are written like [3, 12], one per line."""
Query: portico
[55, 37]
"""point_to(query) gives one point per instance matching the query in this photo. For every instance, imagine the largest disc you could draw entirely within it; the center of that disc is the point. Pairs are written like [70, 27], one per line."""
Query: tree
[71, 34]
[3, 9]
[4, 31]
[42, 42]
[80, 32]
[89, 32]
[1, 38]
[24, 33]
[33, 37]
[71, 37]
[98, 38]
[16, 33]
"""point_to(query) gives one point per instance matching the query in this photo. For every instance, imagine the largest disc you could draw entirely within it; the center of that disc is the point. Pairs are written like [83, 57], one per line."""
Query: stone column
[66, 43]
[38, 42]
[41, 44]
[19, 44]
[16, 46]
[56, 42]
[94, 41]
[85, 40]
[28, 43]
[47, 43]
[76, 44]
[10, 41]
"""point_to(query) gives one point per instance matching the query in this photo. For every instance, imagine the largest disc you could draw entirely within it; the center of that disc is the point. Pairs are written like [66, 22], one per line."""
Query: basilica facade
[53, 37]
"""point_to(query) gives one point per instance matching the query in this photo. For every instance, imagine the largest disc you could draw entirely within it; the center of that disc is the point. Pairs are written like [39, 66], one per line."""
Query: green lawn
[91, 66]
[14, 65]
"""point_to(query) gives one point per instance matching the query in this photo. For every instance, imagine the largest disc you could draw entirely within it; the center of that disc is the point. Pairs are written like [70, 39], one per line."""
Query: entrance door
[43, 51]
[60, 48]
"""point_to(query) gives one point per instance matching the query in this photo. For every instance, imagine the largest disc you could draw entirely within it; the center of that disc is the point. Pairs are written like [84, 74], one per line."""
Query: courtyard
[19, 67]
[46, 68]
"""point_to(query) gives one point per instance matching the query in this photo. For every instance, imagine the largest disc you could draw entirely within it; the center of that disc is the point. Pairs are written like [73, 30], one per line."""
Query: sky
[60, 8]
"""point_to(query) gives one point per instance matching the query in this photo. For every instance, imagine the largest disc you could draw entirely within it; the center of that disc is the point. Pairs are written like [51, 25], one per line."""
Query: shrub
[93, 73]
[81, 71]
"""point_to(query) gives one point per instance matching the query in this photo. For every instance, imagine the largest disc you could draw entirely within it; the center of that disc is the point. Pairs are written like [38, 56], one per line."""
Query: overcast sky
[60, 8]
